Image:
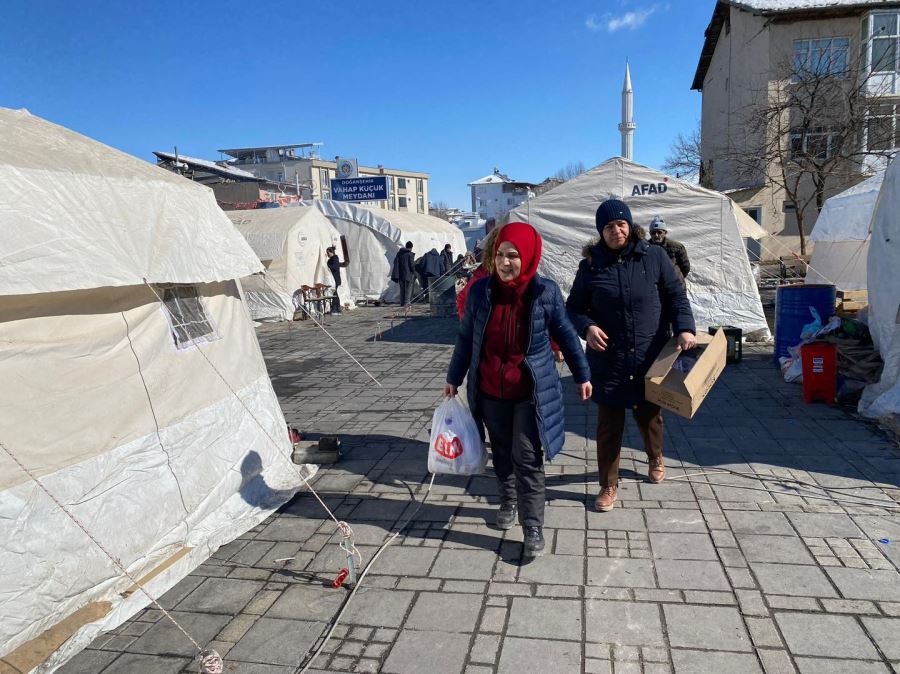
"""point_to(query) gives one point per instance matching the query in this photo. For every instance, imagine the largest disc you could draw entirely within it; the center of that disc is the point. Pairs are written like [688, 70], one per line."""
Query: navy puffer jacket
[637, 299]
[548, 319]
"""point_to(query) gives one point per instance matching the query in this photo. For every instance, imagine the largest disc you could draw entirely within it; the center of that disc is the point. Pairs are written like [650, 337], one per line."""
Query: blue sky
[452, 88]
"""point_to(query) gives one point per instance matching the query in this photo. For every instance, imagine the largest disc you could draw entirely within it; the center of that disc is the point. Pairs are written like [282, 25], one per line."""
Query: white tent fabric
[841, 237]
[883, 398]
[129, 230]
[374, 236]
[291, 243]
[720, 286]
[163, 451]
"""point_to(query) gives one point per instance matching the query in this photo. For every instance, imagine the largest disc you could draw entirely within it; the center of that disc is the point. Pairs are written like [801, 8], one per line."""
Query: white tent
[841, 236]
[133, 388]
[882, 399]
[711, 226]
[291, 243]
[374, 236]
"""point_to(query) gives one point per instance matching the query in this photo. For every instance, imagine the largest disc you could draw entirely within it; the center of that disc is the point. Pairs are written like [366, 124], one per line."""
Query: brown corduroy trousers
[610, 429]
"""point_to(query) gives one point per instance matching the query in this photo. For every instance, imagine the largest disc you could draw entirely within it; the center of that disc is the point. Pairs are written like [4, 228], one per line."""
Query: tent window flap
[187, 317]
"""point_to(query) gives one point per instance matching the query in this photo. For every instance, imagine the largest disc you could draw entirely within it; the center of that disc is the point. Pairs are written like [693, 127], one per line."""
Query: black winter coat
[402, 269]
[678, 254]
[434, 265]
[637, 299]
[548, 319]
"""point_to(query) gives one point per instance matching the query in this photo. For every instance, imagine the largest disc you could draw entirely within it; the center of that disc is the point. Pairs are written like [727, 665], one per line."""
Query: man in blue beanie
[625, 301]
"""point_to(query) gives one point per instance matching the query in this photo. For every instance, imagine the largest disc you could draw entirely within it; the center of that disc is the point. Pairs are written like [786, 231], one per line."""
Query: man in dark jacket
[447, 259]
[625, 299]
[432, 268]
[659, 235]
[334, 265]
[403, 272]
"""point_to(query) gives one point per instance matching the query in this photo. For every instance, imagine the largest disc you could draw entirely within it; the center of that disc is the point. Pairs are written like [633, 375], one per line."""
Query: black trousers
[405, 292]
[518, 457]
[335, 302]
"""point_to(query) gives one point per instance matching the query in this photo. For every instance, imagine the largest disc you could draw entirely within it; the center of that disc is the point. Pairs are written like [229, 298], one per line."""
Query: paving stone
[793, 603]
[553, 569]
[691, 575]
[624, 623]
[708, 627]
[235, 667]
[597, 666]
[166, 639]
[87, 662]
[617, 519]
[437, 652]
[448, 612]
[821, 635]
[237, 628]
[781, 549]
[538, 655]
[793, 579]
[569, 542]
[485, 648]
[754, 522]
[277, 642]
[697, 662]
[610, 572]
[287, 528]
[776, 661]
[886, 634]
[823, 525]
[307, 602]
[529, 617]
[676, 521]
[221, 595]
[493, 619]
[376, 607]
[682, 546]
[129, 663]
[740, 578]
[866, 584]
[464, 564]
[834, 666]
[849, 606]
[658, 596]
[763, 632]
[707, 597]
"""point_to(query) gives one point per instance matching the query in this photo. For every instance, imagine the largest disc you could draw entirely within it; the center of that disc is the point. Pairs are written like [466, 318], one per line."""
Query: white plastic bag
[456, 447]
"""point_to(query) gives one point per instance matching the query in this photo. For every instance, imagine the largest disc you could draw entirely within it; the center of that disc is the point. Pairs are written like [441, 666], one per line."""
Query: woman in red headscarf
[503, 348]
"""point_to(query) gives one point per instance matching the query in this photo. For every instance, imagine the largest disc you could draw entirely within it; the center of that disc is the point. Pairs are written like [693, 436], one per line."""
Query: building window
[401, 202]
[323, 180]
[788, 207]
[755, 212]
[420, 186]
[884, 42]
[421, 204]
[187, 318]
[509, 201]
[815, 143]
[882, 128]
[826, 56]
[401, 183]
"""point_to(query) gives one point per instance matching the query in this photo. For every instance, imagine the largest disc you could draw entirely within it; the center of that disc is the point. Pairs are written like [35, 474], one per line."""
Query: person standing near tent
[334, 265]
[503, 351]
[659, 235]
[432, 268]
[403, 272]
[625, 298]
[447, 259]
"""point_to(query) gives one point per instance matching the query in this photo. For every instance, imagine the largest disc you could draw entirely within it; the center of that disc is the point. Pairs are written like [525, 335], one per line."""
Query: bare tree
[439, 209]
[811, 131]
[570, 170]
[684, 157]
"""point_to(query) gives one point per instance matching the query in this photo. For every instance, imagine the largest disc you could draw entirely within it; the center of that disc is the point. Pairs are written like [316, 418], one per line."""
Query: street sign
[374, 188]
[346, 168]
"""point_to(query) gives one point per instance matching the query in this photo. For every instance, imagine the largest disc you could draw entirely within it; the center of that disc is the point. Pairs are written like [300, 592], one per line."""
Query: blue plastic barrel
[792, 305]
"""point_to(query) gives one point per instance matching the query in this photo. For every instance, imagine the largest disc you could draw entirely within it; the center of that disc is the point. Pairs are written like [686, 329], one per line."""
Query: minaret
[627, 126]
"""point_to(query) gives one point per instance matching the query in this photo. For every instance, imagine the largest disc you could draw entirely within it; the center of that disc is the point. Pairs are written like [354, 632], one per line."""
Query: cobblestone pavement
[712, 573]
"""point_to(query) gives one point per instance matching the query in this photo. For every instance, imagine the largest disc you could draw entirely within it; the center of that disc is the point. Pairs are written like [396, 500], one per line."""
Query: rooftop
[222, 170]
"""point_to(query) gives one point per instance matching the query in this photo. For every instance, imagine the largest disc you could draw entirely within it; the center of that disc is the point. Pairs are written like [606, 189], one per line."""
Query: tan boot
[657, 470]
[606, 500]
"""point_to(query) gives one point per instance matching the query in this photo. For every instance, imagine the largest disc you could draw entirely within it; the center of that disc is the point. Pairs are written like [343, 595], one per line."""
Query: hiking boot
[606, 499]
[506, 516]
[657, 470]
[534, 542]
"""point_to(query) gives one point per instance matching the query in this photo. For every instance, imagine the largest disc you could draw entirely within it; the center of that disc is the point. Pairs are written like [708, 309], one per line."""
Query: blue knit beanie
[612, 209]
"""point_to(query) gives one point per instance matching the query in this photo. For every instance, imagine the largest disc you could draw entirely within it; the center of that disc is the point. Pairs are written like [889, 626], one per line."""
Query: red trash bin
[819, 372]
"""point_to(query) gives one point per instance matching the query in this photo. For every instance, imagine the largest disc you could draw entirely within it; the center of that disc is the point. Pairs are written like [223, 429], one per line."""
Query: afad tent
[374, 236]
[712, 228]
[291, 242]
[133, 388]
[882, 399]
[841, 236]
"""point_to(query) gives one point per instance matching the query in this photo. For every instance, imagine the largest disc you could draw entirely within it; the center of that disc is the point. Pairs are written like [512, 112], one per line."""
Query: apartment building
[299, 165]
[752, 50]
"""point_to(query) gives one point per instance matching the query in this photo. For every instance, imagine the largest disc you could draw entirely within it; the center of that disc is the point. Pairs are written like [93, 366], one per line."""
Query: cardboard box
[683, 393]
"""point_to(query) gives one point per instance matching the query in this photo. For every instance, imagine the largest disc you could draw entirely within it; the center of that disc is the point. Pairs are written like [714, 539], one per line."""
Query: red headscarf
[528, 242]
